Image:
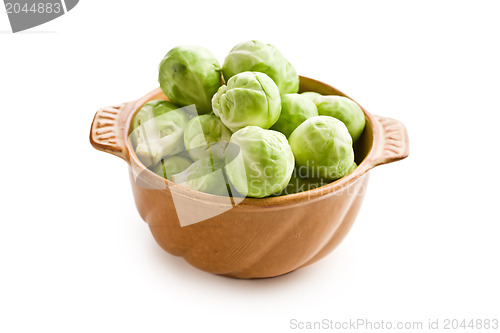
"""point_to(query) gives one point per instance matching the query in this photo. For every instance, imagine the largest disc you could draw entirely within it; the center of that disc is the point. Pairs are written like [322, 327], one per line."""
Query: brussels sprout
[259, 162]
[311, 95]
[322, 145]
[255, 56]
[160, 136]
[344, 110]
[151, 110]
[201, 132]
[190, 75]
[171, 165]
[249, 99]
[204, 175]
[295, 109]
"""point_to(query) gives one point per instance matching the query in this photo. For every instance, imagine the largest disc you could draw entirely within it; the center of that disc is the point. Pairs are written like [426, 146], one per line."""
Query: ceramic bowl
[254, 238]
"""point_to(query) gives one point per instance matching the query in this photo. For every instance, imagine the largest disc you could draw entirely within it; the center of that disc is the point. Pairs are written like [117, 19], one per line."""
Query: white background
[76, 257]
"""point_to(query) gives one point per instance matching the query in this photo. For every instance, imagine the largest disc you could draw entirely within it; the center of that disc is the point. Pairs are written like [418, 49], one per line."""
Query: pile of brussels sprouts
[243, 129]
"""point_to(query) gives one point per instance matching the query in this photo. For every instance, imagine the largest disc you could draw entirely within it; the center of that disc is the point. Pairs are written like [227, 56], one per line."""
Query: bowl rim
[333, 188]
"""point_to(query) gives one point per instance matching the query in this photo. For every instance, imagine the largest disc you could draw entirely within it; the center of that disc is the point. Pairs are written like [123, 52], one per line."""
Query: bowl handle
[393, 144]
[108, 132]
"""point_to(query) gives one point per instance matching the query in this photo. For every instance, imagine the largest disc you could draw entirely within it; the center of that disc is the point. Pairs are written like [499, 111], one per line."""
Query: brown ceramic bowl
[256, 238]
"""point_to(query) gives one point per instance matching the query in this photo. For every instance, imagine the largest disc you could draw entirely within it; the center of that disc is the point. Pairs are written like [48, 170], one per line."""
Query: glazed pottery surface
[252, 238]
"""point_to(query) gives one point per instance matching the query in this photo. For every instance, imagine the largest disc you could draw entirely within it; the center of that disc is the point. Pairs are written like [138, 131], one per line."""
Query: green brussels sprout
[204, 175]
[190, 75]
[255, 56]
[248, 99]
[171, 165]
[201, 132]
[295, 109]
[344, 110]
[160, 136]
[322, 145]
[259, 162]
[311, 95]
[151, 110]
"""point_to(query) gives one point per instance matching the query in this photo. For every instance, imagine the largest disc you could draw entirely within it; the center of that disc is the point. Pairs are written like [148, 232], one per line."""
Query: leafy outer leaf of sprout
[248, 99]
[345, 110]
[190, 75]
[256, 56]
[264, 163]
[323, 146]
